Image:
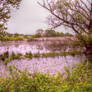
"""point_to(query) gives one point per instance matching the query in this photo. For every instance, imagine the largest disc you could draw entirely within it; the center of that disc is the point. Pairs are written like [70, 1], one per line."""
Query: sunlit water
[43, 65]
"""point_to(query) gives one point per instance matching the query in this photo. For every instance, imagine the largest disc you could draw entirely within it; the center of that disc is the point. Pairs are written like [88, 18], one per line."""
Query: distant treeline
[5, 36]
[50, 33]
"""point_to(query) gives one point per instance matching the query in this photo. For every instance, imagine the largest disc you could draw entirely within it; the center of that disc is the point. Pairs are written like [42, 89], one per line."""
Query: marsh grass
[6, 58]
[36, 55]
[73, 53]
[29, 55]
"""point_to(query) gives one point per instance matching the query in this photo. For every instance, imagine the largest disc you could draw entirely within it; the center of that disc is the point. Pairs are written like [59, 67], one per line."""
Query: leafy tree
[5, 10]
[73, 14]
[40, 32]
[50, 33]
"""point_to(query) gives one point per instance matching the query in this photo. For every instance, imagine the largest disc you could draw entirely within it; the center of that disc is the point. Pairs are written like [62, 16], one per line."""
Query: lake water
[34, 47]
[43, 65]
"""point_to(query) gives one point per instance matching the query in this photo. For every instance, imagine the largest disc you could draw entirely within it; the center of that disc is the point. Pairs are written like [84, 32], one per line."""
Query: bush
[29, 55]
[36, 36]
[16, 56]
[4, 56]
[36, 55]
[80, 80]
[7, 60]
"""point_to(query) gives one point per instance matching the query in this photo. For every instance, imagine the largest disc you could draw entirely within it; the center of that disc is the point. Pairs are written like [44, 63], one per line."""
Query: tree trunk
[89, 45]
[90, 23]
[89, 52]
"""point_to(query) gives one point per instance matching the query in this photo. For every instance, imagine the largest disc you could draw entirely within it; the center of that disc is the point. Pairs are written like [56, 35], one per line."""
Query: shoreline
[44, 39]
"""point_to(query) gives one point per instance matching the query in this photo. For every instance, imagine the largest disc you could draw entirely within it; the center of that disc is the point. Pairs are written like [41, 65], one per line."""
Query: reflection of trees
[56, 46]
[61, 45]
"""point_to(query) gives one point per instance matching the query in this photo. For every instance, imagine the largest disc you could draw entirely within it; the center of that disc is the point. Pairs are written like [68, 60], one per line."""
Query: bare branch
[75, 14]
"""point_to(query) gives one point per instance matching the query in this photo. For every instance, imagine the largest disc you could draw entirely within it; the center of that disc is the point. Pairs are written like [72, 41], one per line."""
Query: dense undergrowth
[80, 80]
[6, 58]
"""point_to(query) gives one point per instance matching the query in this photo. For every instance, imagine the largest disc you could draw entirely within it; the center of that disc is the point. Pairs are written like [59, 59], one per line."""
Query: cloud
[28, 18]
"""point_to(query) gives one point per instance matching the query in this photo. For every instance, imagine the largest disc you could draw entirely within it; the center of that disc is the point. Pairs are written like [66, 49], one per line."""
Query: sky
[28, 19]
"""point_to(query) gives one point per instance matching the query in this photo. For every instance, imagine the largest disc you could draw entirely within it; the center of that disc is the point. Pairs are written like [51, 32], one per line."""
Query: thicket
[80, 80]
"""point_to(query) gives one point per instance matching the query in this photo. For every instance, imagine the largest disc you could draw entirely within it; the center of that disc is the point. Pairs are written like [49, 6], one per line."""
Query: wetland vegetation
[80, 80]
[48, 61]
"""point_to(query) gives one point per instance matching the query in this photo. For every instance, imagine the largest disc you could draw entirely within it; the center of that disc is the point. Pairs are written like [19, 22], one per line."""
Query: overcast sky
[28, 18]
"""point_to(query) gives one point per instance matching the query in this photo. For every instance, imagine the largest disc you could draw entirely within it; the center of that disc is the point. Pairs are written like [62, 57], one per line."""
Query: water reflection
[43, 65]
[34, 47]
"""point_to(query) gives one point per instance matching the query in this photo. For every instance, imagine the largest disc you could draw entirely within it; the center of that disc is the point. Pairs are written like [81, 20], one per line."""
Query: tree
[50, 33]
[74, 14]
[40, 32]
[5, 10]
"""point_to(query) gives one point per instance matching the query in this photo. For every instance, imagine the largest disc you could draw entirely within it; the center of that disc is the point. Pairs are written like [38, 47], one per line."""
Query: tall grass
[6, 58]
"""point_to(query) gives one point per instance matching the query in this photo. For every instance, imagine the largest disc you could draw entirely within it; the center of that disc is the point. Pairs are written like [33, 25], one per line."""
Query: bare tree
[74, 14]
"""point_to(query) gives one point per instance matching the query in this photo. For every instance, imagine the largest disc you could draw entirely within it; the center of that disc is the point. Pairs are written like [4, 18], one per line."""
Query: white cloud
[28, 18]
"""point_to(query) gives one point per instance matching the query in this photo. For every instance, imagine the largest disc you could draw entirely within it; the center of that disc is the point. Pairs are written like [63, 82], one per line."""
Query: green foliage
[36, 36]
[80, 80]
[85, 39]
[29, 55]
[51, 33]
[17, 56]
[7, 38]
[6, 58]
[26, 37]
[5, 10]
[36, 55]
[73, 53]
[68, 34]
[13, 55]
[16, 35]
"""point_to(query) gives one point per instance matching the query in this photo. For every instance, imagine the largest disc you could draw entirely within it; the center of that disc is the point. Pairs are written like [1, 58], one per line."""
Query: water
[43, 65]
[23, 47]
[34, 47]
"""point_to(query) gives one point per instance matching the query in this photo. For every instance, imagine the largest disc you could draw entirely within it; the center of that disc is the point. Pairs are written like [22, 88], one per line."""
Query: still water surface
[43, 65]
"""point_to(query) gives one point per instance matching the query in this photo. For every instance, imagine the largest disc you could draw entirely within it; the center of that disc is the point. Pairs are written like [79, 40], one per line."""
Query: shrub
[7, 60]
[18, 56]
[80, 80]
[36, 55]
[29, 55]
